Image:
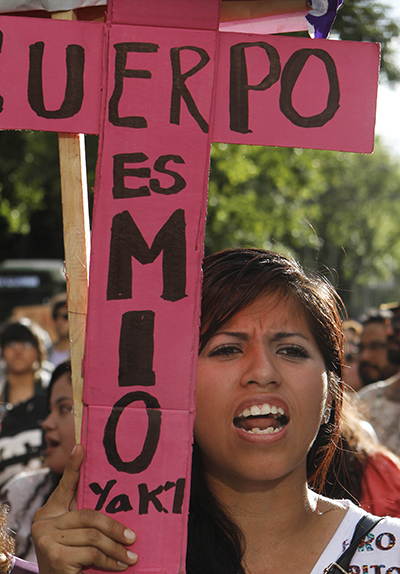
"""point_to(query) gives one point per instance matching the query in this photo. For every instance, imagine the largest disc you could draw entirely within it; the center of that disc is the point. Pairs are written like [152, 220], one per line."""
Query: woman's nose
[48, 422]
[261, 368]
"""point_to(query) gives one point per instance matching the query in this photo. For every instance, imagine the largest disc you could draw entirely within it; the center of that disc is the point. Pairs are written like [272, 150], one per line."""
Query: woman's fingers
[92, 520]
[68, 551]
[67, 540]
[99, 543]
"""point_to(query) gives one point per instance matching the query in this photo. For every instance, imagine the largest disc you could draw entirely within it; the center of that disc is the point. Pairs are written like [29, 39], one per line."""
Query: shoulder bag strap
[364, 525]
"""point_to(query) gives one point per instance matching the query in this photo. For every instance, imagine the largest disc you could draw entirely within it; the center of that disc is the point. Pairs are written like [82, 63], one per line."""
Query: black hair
[58, 372]
[21, 331]
[233, 280]
[216, 544]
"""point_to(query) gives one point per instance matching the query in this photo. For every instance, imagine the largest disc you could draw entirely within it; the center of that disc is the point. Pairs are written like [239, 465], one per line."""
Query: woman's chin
[53, 462]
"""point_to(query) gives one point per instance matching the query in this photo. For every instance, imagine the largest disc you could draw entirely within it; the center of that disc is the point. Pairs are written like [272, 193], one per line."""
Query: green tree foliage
[30, 196]
[331, 210]
[370, 21]
[327, 208]
[29, 183]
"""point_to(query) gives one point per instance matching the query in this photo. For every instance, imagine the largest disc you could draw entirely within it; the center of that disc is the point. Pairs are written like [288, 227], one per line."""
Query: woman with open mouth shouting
[28, 491]
[268, 394]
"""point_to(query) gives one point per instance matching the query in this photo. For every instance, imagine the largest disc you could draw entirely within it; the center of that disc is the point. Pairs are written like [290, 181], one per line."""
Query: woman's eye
[65, 409]
[224, 351]
[293, 351]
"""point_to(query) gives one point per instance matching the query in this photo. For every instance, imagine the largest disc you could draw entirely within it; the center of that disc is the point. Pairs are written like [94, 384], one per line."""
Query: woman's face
[20, 357]
[59, 432]
[261, 391]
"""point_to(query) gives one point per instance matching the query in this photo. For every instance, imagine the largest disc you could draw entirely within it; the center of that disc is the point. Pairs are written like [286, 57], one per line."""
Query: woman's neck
[277, 517]
[288, 501]
[62, 344]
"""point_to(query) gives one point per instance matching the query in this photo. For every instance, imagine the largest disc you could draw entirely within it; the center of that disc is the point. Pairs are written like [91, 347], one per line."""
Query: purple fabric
[23, 567]
[324, 15]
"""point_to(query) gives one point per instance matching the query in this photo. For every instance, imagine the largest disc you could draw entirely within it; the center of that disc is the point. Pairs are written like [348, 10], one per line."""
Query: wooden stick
[65, 15]
[245, 10]
[74, 195]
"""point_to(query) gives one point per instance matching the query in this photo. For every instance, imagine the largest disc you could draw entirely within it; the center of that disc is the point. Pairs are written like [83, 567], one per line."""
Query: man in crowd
[374, 363]
[381, 401]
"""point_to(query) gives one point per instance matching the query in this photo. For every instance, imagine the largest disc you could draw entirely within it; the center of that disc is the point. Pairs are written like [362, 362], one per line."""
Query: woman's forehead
[276, 309]
[62, 386]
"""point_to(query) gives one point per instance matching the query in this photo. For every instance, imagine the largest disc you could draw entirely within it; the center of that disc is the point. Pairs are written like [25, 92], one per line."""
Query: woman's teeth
[265, 409]
[270, 418]
[268, 430]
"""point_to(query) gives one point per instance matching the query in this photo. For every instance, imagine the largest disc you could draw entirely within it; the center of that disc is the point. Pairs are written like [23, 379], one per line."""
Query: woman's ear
[327, 414]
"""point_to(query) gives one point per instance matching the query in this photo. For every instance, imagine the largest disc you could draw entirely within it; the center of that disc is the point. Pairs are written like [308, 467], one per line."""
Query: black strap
[364, 525]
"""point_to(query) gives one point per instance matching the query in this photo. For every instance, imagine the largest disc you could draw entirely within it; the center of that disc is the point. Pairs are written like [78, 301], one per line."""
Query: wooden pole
[247, 9]
[74, 195]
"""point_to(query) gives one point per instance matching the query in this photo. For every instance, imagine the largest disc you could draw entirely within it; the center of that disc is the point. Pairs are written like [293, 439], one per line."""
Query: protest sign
[159, 82]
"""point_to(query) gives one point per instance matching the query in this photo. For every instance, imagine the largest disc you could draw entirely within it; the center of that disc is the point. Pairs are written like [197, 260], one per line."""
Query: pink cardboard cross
[159, 82]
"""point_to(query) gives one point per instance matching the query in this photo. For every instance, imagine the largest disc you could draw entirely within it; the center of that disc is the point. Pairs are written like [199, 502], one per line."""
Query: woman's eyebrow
[242, 336]
[236, 334]
[61, 399]
[285, 335]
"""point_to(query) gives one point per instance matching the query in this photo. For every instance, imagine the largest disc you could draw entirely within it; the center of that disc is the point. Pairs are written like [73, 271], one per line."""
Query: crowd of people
[372, 370]
[33, 437]
[297, 419]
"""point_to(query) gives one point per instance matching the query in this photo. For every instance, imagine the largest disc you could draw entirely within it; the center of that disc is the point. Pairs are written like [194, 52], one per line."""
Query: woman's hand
[68, 540]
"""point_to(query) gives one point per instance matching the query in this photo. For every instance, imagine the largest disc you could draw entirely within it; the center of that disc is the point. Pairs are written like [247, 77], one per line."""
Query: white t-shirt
[378, 553]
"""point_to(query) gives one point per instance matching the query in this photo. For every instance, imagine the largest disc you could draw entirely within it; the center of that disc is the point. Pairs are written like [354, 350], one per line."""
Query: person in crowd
[352, 333]
[60, 350]
[380, 401]
[374, 364]
[28, 491]
[268, 395]
[23, 404]
[394, 332]
[363, 469]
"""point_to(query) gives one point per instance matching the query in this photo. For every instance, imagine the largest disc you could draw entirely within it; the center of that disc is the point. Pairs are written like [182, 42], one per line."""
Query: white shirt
[378, 553]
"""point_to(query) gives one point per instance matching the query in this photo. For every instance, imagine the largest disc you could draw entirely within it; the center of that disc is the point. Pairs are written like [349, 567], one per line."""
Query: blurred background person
[29, 491]
[380, 401]
[352, 332]
[394, 333]
[363, 469]
[60, 350]
[23, 404]
[374, 363]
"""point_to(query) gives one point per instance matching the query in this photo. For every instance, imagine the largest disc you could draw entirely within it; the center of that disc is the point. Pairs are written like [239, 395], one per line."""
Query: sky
[388, 113]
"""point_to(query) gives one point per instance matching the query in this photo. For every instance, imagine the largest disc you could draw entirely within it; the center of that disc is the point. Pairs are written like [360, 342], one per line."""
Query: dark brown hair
[58, 372]
[235, 278]
[24, 330]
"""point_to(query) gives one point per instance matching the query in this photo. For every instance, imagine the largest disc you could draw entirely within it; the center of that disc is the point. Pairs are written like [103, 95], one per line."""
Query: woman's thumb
[65, 494]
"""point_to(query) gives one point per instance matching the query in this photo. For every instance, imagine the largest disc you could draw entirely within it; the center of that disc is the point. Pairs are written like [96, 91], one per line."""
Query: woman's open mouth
[50, 445]
[261, 419]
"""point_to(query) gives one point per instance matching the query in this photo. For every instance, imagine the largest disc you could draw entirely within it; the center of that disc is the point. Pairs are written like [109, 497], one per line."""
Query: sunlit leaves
[329, 209]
